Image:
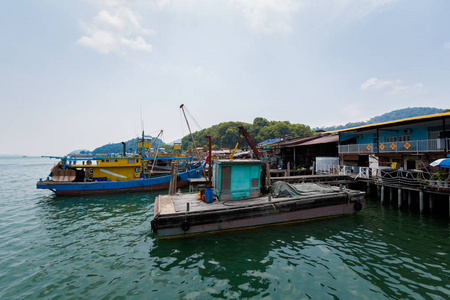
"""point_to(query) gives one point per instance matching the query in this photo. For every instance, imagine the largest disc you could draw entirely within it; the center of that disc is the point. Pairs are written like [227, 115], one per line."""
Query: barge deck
[182, 215]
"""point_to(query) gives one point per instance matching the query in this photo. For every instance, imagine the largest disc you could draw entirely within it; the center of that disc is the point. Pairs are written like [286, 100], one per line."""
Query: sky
[81, 74]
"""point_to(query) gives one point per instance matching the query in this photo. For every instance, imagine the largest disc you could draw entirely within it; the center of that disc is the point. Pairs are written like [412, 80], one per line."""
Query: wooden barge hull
[259, 213]
[111, 187]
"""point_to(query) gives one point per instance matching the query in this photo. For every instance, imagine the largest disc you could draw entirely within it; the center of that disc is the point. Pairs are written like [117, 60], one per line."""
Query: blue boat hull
[108, 187]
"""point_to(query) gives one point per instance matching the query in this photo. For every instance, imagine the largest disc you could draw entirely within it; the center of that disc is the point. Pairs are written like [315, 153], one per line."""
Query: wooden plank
[166, 205]
[198, 180]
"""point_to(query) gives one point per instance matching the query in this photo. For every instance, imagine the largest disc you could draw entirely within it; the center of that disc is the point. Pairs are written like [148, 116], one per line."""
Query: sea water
[101, 247]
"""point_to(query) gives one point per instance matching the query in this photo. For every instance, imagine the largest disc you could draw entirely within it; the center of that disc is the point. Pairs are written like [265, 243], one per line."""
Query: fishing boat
[235, 202]
[142, 171]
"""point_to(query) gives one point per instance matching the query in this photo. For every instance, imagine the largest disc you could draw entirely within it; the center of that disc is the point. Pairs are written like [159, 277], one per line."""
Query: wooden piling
[399, 197]
[430, 201]
[409, 198]
[421, 201]
[382, 193]
[173, 178]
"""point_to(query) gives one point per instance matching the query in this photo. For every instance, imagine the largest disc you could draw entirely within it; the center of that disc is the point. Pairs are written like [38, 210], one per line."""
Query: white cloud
[268, 16]
[391, 87]
[115, 32]
[277, 16]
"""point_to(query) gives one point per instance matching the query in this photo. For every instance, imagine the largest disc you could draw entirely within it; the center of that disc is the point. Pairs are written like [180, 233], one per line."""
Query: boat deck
[172, 204]
[178, 203]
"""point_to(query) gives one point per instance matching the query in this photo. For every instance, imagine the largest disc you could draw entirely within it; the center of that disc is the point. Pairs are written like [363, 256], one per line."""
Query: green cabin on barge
[237, 179]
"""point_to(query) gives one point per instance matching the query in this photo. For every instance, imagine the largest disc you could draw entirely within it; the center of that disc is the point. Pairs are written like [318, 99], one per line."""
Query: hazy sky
[79, 74]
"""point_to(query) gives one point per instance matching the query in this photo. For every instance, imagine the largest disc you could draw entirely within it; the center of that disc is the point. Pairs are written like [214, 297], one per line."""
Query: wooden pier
[404, 191]
[409, 197]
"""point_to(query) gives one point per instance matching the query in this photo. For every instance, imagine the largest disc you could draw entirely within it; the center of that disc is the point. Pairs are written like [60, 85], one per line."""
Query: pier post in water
[430, 201]
[409, 198]
[421, 201]
[390, 194]
[382, 193]
[399, 196]
[173, 178]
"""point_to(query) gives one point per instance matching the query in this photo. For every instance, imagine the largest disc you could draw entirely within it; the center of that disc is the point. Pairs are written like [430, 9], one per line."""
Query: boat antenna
[192, 137]
[142, 121]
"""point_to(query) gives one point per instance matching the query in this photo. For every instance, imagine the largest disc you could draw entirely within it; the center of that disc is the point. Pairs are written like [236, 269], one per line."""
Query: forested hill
[226, 135]
[390, 116]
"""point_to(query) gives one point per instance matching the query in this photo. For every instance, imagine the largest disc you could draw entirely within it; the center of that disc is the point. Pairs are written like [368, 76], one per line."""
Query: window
[391, 139]
[255, 182]
[226, 179]
[404, 138]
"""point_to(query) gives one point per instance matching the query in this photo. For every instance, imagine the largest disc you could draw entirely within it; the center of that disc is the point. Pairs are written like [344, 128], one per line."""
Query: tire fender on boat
[136, 175]
[357, 206]
[137, 169]
[154, 226]
[185, 225]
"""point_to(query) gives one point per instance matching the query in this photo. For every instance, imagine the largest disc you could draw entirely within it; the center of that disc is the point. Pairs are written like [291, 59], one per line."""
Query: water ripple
[102, 247]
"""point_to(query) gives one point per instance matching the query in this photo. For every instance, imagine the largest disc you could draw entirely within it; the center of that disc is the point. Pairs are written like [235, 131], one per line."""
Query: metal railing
[394, 177]
[417, 146]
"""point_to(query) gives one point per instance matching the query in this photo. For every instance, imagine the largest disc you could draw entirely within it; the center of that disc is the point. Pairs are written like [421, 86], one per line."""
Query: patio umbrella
[443, 163]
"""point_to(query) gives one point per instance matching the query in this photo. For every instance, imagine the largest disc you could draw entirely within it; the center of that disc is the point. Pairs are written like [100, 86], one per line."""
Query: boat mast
[142, 154]
[156, 152]
[192, 137]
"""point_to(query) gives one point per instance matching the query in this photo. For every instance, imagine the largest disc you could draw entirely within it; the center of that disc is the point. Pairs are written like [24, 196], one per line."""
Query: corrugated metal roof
[297, 141]
[396, 122]
[322, 140]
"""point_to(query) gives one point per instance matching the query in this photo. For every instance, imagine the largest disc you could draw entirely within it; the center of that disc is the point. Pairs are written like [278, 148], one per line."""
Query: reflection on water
[101, 246]
[361, 255]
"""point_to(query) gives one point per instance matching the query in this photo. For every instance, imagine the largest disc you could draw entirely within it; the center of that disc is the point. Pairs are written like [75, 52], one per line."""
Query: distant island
[398, 114]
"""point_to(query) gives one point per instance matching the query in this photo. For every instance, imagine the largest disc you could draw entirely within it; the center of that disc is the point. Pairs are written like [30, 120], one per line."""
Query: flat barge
[183, 215]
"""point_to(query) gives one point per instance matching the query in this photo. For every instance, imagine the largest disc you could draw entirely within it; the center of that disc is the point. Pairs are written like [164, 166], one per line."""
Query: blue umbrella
[443, 163]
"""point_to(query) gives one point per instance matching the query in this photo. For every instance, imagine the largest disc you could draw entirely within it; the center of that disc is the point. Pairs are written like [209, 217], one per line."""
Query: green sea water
[101, 247]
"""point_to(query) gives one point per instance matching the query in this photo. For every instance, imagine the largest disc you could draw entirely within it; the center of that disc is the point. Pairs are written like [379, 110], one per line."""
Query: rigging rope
[190, 115]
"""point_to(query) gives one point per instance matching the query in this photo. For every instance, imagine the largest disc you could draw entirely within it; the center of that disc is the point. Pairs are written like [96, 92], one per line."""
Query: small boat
[235, 202]
[143, 171]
